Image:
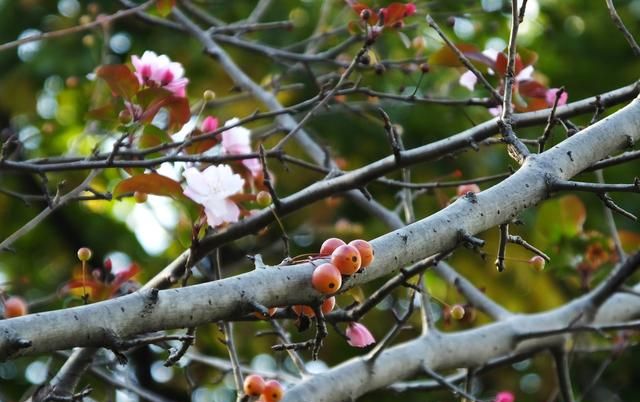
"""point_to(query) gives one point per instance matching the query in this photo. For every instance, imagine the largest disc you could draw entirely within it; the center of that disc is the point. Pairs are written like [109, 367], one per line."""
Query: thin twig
[620, 25]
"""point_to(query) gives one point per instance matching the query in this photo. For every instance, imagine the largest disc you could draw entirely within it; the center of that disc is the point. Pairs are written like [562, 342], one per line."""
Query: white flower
[212, 189]
[237, 141]
[160, 71]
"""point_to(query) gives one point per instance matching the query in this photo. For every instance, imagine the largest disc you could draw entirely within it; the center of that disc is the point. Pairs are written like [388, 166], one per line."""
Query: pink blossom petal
[468, 80]
[505, 396]
[359, 336]
[211, 188]
[209, 124]
[551, 94]
[160, 71]
[409, 9]
[254, 166]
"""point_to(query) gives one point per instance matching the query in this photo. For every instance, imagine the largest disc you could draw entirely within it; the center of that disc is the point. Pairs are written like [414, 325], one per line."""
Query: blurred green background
[47, 87]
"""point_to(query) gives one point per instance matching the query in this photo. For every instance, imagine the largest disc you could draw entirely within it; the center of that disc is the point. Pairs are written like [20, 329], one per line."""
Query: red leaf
[103, 113]
[120, 79]
[527, 56]
[150, 183]
[153, 99]
[446, 57]
[199, 147]
[123, 276]
[502, 62]
[532, 89]
[164, 7]
[393, 13]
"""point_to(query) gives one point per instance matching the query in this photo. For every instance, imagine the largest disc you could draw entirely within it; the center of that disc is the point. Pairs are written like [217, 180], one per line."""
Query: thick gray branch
[97, 324]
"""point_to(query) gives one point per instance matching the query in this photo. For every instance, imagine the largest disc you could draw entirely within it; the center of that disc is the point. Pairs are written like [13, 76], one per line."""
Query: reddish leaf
[502, 62]
[103, 113]
[120, 79]
[164, 7]
[630, 240]
[148, 96]
[446, 57]
[532, 89]
[122, 277]
[150, 183]
[528, 57]
[201, 146]
[154, 99]
[393, 13]
[153, 136]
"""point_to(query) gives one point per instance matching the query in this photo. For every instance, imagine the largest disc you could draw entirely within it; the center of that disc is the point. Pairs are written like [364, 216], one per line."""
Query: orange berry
[273, 391]
[84, 254]
[365, 250]
[140, 197]
[347, 259]
[263, 199]
[326, 278]
[330, 244]
[299, 309]
[537, 262]
[15, 307]
[457, 312]
[328, 305]
[253, 385]
[270, 313]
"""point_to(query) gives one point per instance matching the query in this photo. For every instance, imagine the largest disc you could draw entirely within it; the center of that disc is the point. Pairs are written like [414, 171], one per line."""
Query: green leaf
[153, 136]
[120, 79]
[150, 183]
[560, 218]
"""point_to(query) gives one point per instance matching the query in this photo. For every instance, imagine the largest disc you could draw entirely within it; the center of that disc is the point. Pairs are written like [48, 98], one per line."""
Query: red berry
[331, 244]
[457, 312]
[15, 307]
[365, 250]
[303, 310]
[253, 385]
[537, 262]
[326, 278]
[328, 305]
[84, 254]
[273, 391]
[347, 259]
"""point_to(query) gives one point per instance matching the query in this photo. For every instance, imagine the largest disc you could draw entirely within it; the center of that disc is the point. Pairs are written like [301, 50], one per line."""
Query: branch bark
[97, 324]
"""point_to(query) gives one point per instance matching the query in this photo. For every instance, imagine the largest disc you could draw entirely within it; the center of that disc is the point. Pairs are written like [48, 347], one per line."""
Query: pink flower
[409, 9]
[159, 71]
[505, 396]
[237, 141]
[212, 189]
[551, 94]
[359, 335]
[209, 124]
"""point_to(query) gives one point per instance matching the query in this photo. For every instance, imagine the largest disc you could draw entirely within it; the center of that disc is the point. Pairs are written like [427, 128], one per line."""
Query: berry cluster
[268, 391]
[346, 259]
